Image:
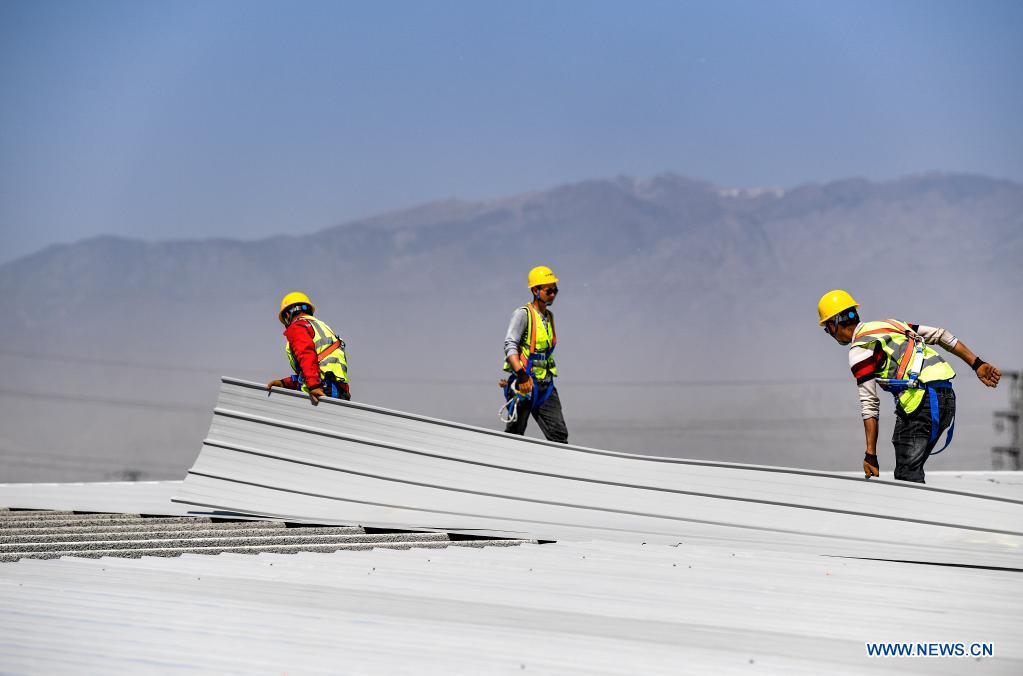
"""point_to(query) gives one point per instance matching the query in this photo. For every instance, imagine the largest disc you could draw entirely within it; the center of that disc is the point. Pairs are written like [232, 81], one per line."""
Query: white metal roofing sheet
[344, 462]
[564, 608]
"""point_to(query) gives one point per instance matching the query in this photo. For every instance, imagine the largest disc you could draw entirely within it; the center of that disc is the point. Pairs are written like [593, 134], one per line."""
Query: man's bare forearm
[966, 354]
[989, 374]
[870, 432]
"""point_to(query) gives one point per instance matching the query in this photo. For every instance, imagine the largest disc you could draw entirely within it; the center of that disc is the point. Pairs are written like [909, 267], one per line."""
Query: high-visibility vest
[900, 346]
[330, 352]
[538, 343]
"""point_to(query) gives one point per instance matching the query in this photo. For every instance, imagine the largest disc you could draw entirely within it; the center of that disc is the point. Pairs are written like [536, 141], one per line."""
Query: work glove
[345, 391]
[989, 375]
[870, 467]
[274, 383]
[525, 385]
[314, 395]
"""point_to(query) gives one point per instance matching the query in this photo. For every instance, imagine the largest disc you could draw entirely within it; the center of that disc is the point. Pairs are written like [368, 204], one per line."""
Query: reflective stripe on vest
[899, 344]
[539, 343]
[330, 352]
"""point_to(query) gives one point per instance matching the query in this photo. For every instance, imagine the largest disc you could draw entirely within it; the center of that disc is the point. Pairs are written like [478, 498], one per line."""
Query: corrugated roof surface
[344, 462]
[1003, 484]
[593, 608]
[731, 579]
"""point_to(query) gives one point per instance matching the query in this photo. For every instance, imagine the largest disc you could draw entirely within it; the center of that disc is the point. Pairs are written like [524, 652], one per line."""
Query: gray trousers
[912, 436]
[548, 417]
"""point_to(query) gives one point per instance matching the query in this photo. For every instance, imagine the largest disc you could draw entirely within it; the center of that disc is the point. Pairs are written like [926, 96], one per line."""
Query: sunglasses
[552, 291]
[834, 320]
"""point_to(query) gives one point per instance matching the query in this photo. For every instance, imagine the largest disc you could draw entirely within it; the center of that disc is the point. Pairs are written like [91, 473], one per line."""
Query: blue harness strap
[897, 387]
[540, 396]
[932, 393]
[330, 387]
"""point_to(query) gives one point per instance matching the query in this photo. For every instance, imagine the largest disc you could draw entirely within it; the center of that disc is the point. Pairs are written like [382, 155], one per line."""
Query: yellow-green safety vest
[899, 344]
[330, 352]
[539, 342]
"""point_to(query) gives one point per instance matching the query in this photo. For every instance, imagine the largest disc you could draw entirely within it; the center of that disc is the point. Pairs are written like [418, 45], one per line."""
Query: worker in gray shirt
[528, 348]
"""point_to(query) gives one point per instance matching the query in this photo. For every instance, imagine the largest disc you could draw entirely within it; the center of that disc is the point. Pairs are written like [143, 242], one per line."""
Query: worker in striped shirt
[898, 356]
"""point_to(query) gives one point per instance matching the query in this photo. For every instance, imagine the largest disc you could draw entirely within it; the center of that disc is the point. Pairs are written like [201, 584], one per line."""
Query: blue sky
[178, 119]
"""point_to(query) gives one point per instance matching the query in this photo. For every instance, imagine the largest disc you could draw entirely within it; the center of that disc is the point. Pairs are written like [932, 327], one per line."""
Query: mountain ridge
[440, 212]
[676, 236]
[662, 279]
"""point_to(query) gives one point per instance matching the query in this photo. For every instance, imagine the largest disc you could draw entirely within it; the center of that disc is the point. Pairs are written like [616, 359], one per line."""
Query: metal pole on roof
[1008, 457]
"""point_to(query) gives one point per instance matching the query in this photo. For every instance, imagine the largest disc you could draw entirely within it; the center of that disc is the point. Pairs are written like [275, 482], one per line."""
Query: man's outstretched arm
[986, 373]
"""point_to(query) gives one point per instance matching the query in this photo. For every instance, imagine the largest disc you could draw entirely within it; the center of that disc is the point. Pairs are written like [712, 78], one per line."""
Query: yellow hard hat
[834, 302]
[295, 298]
[541, 274]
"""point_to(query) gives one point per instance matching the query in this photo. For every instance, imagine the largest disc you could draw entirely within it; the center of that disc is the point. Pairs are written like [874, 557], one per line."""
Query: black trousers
[912, 436]
[548, 417]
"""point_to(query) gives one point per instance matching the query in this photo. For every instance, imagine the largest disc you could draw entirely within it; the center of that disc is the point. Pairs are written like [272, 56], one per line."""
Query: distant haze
[251, 118]
[687, 320]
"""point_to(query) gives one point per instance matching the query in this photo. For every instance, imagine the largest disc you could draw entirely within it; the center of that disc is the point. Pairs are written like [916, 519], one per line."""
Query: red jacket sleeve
[300, 338]
[866, 369]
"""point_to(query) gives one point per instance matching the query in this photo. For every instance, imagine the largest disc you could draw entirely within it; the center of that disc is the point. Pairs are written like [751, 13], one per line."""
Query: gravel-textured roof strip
[278, 549]
[251, 540]
[7, 513]
[93, 520]
[199, 523]
[63, 516]
[170, 533]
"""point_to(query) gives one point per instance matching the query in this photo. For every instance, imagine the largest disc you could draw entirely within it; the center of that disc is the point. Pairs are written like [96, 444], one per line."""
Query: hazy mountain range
[664, 279]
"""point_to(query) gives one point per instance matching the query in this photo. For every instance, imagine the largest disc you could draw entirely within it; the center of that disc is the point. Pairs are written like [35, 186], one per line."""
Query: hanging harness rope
[509, 411]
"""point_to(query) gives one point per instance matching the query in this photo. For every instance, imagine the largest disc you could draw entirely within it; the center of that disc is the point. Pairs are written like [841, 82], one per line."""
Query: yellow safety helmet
[295, 298]
[541, 274]
[834, 302]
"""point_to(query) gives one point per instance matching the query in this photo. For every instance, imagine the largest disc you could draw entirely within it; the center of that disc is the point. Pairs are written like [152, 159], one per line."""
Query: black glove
[870, 467]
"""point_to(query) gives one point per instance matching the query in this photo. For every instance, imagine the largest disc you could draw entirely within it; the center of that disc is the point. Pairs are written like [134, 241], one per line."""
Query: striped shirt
[865, 363]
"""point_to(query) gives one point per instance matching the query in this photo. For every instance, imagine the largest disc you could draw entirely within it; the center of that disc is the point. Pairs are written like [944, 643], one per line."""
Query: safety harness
[330, 382]
[907, 376]
[509, 411]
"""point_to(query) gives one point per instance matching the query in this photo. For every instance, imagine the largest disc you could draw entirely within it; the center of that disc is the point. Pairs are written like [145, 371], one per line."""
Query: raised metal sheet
[344, 462]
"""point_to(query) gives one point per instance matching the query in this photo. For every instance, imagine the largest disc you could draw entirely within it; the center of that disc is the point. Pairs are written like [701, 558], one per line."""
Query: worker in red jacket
[315, 352]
